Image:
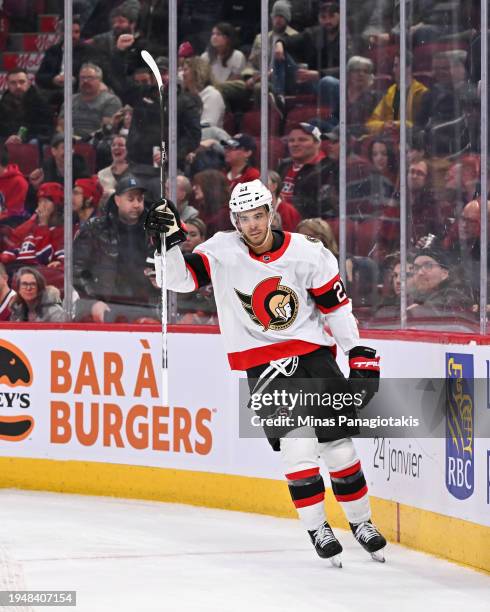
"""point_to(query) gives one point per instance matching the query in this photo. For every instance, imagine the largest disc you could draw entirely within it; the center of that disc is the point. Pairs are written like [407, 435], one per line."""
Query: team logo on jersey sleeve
[271, 305]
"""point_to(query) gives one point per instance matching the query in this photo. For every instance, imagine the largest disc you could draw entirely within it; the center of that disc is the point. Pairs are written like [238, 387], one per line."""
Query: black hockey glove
[364, 372]
[163, 218]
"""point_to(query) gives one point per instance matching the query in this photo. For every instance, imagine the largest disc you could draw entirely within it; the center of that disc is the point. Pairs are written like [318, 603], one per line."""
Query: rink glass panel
[442, 47]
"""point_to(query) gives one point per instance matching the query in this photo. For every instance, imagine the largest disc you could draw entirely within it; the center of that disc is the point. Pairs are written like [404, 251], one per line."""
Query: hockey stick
[163, 159]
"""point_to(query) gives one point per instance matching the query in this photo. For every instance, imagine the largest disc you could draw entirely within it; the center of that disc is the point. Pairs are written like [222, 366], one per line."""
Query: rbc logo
[460, 414]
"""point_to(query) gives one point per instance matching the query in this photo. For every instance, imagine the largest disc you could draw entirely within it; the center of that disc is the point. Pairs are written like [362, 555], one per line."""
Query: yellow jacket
[384, 111]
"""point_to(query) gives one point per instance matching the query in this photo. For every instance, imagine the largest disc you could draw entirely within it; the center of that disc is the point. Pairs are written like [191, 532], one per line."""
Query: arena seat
[26, 156]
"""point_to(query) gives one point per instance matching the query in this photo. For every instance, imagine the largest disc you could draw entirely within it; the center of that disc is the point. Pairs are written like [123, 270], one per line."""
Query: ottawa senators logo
[271, 305]
[15, 371]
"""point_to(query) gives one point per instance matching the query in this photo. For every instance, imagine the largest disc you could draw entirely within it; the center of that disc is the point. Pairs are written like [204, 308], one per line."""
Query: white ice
[126, 555]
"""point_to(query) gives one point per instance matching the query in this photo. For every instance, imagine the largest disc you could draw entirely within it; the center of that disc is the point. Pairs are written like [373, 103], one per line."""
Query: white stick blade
[153, 67]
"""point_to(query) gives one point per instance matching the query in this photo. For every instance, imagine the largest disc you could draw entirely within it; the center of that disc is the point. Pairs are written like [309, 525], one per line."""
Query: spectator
[197, 80]
[462, 243]
[289, 217]
[211, 194]
[379, 186]
[87, 193]
[386, 115]
[93, 106]
[196, 234]
[437, 291]
[36, 302]
[13, 190]
[446, 107]
[239, 158]
[109, 176]
[100, 16]
[109, 255]
[316, 47]
[280, 18]
[461, 183]
[321, 230]
[121, 35]
[184, 194]
[51, 74]
[53, 170]
[226, 62]
[39, 240]
[185, 51]
[197, 307]
[310, 179]
[7, 295]
[361, 98]
[390, 306]
[152, 22]
[424, 216]
[23, 106]
[143, 136]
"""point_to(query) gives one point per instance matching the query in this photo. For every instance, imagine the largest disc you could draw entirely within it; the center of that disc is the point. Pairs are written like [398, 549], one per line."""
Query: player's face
[130, 206]
[254, 225]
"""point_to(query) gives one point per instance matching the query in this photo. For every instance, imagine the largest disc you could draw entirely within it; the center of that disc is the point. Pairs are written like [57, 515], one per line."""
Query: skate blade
[336, 561]
[378, 556]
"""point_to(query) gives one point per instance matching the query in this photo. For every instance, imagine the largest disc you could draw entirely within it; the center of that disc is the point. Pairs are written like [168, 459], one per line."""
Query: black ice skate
[326, 544]
[370, 539]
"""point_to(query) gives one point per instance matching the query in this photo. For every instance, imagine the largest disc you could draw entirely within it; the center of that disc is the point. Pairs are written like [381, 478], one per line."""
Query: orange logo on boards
[15, 373]
[93, 406]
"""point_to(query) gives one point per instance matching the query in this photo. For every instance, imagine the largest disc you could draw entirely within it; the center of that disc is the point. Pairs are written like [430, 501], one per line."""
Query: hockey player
[271, 290]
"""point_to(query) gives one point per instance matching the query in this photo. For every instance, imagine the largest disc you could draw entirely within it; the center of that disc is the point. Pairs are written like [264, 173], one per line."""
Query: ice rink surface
[137, 556]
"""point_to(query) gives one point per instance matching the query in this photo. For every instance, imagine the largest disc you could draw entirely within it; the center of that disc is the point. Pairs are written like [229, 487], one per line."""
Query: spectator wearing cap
[93, 106]
[309, 177]
[109, 175]
[23, 106]
[198, 81]
[318, 48]
[13, 190]
[437, 290]
[239, 158]
[35, 301]
[185, 51]
[40, 239]
[87, 193]
[225, 60]
[281, 30]
[288, 214]
[109, 254]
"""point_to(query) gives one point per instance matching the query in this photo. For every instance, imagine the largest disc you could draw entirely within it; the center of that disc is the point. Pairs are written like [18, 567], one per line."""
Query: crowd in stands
[116, 118]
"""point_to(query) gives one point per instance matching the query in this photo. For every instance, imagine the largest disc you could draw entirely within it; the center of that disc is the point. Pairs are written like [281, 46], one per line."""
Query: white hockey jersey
[271, 305]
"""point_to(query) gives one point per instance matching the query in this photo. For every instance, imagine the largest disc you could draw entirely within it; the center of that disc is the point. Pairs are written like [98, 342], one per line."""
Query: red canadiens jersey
[5, 310]
[272, 305]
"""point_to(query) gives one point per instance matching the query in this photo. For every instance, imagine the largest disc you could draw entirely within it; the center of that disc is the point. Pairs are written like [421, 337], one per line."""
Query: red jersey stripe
[309, 501]
[347, 471]
[250, 358]
[326, 287]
